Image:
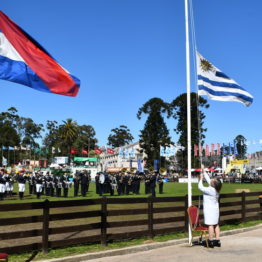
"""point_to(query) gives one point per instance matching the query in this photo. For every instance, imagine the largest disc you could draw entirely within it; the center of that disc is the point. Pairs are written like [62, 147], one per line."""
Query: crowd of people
[125, 183]
[48, 184]
[41, 184]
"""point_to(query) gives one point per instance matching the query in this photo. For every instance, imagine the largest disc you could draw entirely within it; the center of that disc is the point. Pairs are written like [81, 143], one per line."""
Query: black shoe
[210, 243]
[216, 243]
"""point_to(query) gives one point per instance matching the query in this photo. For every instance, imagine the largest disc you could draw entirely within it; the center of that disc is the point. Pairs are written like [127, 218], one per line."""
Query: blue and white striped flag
[218, 86]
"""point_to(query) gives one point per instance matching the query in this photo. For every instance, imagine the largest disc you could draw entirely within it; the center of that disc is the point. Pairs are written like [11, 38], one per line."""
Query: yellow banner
[237, 162]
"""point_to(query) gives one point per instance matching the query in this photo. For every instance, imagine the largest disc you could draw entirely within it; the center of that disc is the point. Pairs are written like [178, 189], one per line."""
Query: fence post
[150, 200]
[45, 226]
[186, 218]
[243, 198]
[103, 220]
[260, 201]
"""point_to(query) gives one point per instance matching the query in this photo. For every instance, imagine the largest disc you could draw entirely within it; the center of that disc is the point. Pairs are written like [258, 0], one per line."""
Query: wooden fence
[52, 224]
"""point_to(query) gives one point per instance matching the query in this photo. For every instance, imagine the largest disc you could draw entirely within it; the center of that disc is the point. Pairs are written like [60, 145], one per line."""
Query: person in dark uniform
[2, 186]
[39, 181]
[97, 184]
[160, 181]
[101, 183]
[147, 184]
[83, 182]
[65, 184]
[48, 184]
[88, 180]
[31, 181]
[76, 181]
[58, 185]
[21, 185]
[52, 185]
[119, 180]
[112, 184]
[136, 183]
[153, 184]
[125, 183]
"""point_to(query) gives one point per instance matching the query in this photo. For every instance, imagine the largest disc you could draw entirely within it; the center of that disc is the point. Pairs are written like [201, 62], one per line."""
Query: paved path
[243, 247]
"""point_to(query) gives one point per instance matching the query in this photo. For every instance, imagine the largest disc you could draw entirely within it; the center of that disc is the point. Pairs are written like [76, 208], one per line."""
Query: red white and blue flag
[24, 61]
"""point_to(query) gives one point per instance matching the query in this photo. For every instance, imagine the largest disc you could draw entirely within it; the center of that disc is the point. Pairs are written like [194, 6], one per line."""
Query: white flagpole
[189, 186]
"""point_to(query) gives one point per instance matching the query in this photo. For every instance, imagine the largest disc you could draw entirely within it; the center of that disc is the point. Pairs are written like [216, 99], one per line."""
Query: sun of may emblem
[205, 65]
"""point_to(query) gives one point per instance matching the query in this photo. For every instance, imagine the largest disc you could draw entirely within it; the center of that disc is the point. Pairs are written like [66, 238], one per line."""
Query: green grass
[76, 250]
[170, 190]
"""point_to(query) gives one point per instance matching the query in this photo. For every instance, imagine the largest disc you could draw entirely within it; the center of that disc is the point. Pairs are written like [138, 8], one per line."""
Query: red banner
[218, 150]
[110, 151]
[98, 151]
[200, 150]
[212, 149]
[73, 151]
[84, 152]
[207, 150]
[195, 150]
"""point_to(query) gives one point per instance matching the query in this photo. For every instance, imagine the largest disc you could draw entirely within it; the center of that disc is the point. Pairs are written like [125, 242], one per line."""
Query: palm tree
[68, 133]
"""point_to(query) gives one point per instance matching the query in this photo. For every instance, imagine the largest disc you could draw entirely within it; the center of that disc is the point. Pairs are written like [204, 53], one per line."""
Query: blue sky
[128, 51]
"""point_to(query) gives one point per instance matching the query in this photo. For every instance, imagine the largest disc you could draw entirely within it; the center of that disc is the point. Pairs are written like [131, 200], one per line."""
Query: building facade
[123, 157]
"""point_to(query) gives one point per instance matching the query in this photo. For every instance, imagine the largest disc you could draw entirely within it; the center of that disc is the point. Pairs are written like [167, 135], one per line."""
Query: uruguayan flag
[217, 86]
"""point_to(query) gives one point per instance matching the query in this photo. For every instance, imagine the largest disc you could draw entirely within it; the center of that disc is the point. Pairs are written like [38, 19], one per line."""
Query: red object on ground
[4, 256]
[193, 215]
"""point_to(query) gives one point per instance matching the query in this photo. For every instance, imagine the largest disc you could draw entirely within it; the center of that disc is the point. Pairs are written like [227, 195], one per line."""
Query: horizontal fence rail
[64, 223]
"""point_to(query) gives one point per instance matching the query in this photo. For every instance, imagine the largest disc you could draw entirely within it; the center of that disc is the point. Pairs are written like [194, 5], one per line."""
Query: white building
[124, 157]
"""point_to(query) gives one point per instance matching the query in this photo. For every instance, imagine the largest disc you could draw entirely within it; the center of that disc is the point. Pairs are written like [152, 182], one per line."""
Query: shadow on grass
[33, 255]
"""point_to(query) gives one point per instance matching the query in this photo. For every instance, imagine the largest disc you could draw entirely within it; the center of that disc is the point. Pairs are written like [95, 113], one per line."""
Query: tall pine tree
[179, 108]
[155, 132]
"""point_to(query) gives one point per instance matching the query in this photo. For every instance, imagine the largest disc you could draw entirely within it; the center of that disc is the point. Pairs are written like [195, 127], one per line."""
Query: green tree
[51, 139]
[240, 142]
[52, 136]
[155, 132]
[86, 138]
[8, 128]
[179, 108]
[9, 132]
[120, 136]
[30, 131]
[68, 133]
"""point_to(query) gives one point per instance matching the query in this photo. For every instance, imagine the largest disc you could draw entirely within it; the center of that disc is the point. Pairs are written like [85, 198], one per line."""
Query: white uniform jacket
[210, 202]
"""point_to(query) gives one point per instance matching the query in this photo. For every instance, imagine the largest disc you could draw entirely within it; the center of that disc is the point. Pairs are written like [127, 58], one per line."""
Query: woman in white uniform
[211, 207]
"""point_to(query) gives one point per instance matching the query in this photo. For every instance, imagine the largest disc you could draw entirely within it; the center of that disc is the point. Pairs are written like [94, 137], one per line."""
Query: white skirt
[211, 215]
[21, 187]
[7, 186]
[38, 188]
[2, 188]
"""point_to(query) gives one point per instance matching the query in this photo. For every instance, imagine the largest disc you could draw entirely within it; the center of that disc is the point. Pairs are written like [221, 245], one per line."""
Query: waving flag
[110, 151]
[84, 151]
[217, 86]
[73, 151]
[24, 61]
[98, 151]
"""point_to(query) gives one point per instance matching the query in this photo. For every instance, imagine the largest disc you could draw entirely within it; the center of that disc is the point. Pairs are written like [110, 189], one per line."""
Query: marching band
[122, 183]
